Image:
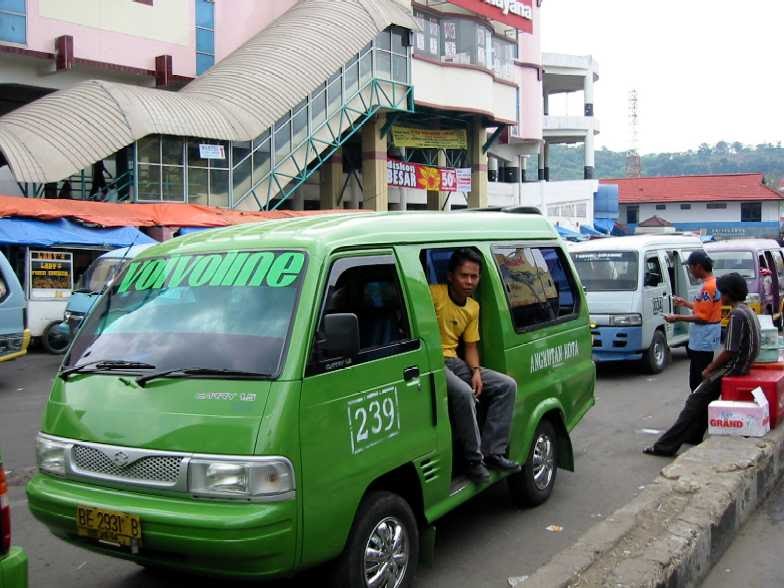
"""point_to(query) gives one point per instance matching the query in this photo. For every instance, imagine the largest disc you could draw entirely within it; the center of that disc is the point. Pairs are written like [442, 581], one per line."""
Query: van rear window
[607, 271]
[727, 262]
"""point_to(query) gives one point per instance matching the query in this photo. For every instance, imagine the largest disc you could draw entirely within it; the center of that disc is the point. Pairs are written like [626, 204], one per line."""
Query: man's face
[465, 278]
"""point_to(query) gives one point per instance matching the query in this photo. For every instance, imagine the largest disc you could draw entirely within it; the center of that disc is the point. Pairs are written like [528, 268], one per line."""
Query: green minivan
[257, 400]
[13, 560]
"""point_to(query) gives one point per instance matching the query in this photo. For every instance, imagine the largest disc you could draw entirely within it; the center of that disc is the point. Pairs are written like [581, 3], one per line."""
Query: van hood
[611, 302]
[182, 414]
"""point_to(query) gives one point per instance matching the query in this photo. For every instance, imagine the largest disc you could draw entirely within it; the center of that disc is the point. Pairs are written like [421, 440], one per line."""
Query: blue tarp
[191, 230]
[590, 231]
[604, 225]
[63, 233]
[569, 235]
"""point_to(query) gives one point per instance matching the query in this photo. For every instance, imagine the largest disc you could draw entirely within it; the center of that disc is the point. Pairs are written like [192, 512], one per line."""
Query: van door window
[778, 260]
[3, 287]
[653, 273]
[540, 288]
[369, 288]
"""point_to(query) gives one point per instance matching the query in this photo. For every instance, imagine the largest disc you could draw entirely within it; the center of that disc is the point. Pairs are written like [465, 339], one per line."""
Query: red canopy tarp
[107, 214]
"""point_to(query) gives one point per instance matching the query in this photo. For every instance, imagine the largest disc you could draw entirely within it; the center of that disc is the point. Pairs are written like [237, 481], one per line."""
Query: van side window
[3, 287]
[779, 261]
[539, 286]
[369, 288]
[653, 268]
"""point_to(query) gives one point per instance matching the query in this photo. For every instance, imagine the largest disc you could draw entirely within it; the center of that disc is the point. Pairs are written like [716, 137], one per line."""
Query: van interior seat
[379, 315]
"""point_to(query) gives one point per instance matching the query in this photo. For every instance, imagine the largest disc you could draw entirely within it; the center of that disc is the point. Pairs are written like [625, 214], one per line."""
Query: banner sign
[51, 274]
[516, 13]
[429, 138]
[401, 174]
[209, 151]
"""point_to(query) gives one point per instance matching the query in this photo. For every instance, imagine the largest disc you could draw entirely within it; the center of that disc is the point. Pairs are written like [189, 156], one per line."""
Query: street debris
[516, 580]
[555, 528]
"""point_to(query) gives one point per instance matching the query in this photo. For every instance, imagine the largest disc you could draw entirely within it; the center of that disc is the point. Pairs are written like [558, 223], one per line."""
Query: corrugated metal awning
[238, 99]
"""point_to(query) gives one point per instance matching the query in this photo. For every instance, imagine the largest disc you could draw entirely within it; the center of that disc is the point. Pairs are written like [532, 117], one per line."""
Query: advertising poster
[429, 138]
[401, 174]
[51, 274]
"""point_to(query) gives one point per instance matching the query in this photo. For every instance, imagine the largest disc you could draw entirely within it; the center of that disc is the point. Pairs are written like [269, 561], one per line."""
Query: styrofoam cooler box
[738, 388]
[746, 419]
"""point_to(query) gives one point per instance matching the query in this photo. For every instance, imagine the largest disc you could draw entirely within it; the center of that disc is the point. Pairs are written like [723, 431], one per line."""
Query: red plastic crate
[738, 388]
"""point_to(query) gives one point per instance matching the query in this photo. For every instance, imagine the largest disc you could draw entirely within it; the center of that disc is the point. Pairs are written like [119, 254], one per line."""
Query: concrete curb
[678, 527]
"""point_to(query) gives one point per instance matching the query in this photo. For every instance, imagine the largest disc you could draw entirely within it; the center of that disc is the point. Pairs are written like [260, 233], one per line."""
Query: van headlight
[626, 320]
[50, 455]
[252, 479]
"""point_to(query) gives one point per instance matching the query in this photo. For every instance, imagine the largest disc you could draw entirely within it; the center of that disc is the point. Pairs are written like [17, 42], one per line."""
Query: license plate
[117, 528]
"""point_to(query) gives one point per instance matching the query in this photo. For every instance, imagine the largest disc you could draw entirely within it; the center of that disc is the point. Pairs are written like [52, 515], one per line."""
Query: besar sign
[516, 13]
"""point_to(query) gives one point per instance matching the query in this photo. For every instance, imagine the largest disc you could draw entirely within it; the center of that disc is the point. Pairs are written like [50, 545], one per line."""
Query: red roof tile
[707, 188]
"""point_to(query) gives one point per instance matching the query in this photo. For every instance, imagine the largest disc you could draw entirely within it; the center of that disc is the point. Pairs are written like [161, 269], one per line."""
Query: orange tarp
[107, 214]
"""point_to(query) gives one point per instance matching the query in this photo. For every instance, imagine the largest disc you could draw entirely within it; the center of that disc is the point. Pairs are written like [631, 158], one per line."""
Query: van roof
[634, 242]
[736, 244]
[323, 233]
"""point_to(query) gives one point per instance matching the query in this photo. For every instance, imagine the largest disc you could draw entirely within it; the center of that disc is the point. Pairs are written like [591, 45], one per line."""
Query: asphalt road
[483, 543]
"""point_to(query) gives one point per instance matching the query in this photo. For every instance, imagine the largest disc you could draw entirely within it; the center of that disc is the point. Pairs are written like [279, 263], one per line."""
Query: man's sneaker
[477, 473]
[501, 463]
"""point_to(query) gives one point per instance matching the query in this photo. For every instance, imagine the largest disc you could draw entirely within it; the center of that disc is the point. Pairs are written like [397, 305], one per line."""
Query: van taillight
[5, 515]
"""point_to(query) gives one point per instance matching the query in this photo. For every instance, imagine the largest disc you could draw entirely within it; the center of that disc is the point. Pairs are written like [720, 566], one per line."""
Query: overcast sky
[705, 70]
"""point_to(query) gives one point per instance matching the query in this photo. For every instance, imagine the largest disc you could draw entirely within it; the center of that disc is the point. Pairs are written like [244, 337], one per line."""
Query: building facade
[280, 104]
[724, 205]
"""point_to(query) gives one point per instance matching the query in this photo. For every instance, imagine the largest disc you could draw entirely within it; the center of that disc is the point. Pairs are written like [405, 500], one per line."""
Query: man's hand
[476, 383]
[671, 318]
[706, 373]
[678, 301]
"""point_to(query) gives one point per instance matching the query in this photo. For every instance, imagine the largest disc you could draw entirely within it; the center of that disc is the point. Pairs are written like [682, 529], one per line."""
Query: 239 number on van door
[373, 418]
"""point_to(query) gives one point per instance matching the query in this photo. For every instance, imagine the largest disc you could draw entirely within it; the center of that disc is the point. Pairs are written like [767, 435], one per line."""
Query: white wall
[700, 213]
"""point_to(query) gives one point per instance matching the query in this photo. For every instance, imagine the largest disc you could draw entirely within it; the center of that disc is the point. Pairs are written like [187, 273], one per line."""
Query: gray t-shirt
[743, 339]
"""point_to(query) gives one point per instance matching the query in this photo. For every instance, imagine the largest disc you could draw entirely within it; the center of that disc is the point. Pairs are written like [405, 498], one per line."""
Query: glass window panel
[173, 150]
[194, 155]
[400, 69]
[300, 128]
[397, 42]
[150, 149]
[205, 41]
[466, 42]
[220, 163]
[351, 74]
[240, 150]
[383, 65]
[283, 140]
[203, 63]
[173, 183]
[365, 68]
[242, 178]
[13, 28]
[261, 161]
[205, 14]
[384, 40]
[219, 188]
[149, 182]
[318, 108]
[198, 187]
[334, 92]
[13, 5]
[261, 138]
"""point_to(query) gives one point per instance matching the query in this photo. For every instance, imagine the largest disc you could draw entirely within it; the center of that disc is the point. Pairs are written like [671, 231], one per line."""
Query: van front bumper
[14, 346]
[198, 536]
[13, 569]
[617, 343]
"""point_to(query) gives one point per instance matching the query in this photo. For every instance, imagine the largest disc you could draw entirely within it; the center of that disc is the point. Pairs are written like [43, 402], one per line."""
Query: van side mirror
[652, 280]
[341, 335]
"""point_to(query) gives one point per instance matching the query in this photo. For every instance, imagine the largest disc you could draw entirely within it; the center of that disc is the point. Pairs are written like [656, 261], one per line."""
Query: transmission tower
[633, 165]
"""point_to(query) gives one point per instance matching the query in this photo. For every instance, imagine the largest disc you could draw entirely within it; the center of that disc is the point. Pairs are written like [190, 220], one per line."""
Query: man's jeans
[498, 394]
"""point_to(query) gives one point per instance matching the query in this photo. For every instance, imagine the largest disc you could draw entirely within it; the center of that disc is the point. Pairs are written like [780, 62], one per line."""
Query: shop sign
[429, 138]
[51, 274]
[401, 174]
[464, 179]
[209, 151]
[516, 13]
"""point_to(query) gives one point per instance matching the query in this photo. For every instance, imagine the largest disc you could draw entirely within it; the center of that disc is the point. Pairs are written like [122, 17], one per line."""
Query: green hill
[566, 161]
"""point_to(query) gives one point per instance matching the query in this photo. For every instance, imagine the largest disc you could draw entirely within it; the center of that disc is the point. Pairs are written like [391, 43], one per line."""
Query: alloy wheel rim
[543, 462]
[386, 555]
[658, 352]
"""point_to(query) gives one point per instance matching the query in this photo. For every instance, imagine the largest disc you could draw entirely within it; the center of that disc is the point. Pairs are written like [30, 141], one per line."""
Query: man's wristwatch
[476, 369]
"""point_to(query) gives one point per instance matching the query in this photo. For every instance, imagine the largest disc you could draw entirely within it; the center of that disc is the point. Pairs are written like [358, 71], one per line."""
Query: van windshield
[99, 273]
[726, 262]
[224, 311]
[607, 271]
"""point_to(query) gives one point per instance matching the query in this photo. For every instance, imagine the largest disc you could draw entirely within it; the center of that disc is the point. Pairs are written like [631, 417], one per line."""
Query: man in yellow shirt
[467, 382]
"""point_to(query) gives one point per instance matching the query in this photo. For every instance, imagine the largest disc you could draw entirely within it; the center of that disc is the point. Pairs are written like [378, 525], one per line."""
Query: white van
[630, 283]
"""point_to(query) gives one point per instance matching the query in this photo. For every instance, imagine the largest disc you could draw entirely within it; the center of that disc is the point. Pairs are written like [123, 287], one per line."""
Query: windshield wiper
[196, 371]
[107, 364]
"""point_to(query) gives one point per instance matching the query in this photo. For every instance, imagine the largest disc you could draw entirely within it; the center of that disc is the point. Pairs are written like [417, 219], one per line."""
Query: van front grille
[153, 468]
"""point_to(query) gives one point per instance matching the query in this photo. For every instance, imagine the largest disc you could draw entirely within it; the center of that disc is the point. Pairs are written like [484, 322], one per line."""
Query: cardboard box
[744, 419]
[738, 388]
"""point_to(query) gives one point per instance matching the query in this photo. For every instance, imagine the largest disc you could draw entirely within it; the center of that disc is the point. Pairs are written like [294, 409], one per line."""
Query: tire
[378, 514]
[534, 484]
[655, 358]
[54, 342]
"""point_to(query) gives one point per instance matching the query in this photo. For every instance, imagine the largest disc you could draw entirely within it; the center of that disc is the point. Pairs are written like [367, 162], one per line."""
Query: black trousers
[698, 361]
[692, 422]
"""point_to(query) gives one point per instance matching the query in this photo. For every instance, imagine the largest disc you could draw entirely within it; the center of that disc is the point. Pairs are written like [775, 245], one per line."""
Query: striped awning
[238, 99]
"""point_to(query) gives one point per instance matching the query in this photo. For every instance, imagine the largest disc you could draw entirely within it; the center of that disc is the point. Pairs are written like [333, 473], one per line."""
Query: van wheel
[534, 483]
[655, 359]
[53, 341]
[383, 546]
